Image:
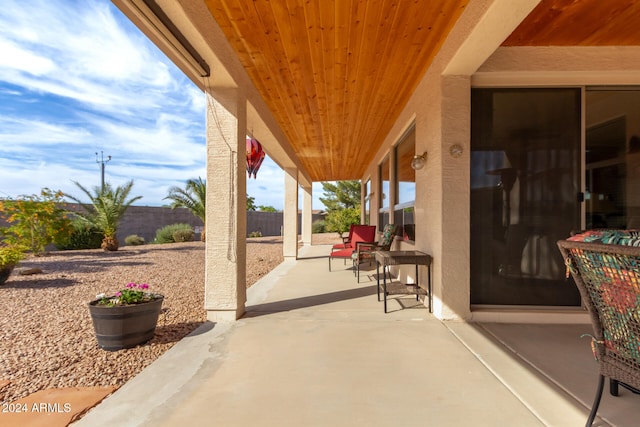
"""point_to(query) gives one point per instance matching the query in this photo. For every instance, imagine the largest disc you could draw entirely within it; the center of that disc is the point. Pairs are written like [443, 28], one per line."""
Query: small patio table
[417, 258]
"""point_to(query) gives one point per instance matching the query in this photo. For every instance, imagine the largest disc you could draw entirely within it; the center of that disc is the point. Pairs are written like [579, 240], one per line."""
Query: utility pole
[102, 162]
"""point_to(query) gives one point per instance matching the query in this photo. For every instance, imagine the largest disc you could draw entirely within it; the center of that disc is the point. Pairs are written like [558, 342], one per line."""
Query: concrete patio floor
[316, 349]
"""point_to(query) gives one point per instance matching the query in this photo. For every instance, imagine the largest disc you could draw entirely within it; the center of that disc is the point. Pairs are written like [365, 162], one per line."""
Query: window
[383, 213]
[405, 175]
[405, 185]
[384, 186]
[367, 202]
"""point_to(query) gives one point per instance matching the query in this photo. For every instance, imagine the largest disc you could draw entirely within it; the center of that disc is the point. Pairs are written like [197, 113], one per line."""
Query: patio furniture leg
[429, 288]
[596, 402]
[384, 286]
[613, 387]
[378, 279]
[417, 285]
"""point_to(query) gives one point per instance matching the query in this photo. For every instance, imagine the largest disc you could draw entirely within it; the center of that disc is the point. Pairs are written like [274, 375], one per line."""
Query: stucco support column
[226, 218]
[453, 285]
[307, 215]
[290, 220]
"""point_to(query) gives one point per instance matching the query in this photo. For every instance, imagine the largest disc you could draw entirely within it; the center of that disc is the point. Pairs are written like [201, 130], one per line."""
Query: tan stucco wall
[440, 109]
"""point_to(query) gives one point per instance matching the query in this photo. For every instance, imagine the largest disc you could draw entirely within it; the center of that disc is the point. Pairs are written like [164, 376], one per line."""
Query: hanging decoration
[255, 156]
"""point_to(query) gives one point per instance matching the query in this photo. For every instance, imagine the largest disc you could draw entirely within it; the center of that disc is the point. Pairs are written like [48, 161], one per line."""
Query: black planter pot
[5, 272]
[125, 326]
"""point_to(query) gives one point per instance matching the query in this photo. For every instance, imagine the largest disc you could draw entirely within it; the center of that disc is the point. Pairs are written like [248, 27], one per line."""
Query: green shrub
[134, 240]
[83, 236]
[165, 234]
[10, 255]
[255, 234]
[183, 235]
[340, 220]
[318, 226]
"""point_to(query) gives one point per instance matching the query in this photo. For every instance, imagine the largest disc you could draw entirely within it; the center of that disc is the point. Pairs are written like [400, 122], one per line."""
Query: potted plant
[127, 318]
[10, 255]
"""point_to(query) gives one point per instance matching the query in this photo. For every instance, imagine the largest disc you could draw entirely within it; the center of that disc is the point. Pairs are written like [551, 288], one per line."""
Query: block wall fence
[146, 220]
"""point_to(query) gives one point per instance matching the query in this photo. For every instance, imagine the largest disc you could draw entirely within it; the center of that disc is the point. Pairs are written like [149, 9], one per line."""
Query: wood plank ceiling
[580, 23]
[336, 73]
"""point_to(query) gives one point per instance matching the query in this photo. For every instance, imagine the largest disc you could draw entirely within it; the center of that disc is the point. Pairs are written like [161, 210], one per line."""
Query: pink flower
[143, 286]
[118, 294]
[131, 285]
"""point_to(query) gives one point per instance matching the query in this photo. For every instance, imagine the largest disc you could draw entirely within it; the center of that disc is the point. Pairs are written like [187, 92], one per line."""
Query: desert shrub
[165, 234]
[83, 236]
[255, 234]
[9, 256]
[35, 221]
[183, 235]
[133, 240]
[318, 226]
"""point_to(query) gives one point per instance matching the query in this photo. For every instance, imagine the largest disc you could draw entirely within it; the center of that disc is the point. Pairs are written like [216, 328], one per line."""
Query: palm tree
[106, 209]
[192, 197]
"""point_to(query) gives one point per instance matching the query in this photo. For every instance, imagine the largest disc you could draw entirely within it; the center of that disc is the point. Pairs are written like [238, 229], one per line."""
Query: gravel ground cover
[46, 334]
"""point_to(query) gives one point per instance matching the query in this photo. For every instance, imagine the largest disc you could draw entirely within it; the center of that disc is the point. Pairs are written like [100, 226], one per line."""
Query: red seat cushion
[344, 253]
[341, 245]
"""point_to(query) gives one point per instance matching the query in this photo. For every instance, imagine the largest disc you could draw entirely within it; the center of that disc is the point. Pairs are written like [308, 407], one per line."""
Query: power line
[102, 163]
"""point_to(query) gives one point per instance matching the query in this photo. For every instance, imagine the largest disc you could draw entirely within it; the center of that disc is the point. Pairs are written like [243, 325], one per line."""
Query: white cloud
[20, 134]
[198, 100]
[13, 57]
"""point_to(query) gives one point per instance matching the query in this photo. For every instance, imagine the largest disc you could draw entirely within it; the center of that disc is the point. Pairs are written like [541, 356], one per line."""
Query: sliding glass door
[525, 194]
[612, 170]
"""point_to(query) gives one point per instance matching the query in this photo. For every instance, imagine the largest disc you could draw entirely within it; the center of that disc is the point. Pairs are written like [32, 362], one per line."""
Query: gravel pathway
[46, 334]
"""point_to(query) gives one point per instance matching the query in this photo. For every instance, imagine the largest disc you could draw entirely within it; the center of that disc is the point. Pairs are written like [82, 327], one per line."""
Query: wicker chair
[608, 278]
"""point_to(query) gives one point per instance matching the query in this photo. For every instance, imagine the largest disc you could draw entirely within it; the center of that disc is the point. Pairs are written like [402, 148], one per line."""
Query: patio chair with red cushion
[346, 241]
[361, 233]
[365, 250]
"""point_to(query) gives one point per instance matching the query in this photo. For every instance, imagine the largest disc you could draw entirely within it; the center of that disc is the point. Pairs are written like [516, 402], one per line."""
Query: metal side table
[417, 258]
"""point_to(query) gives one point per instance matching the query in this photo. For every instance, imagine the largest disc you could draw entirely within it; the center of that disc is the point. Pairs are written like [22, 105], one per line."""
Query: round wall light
[455, 150]
[419, 161]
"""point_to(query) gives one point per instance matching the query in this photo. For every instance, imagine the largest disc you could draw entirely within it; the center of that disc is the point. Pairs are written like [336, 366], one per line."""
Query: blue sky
[76, 78]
